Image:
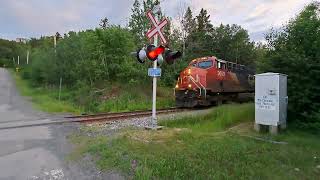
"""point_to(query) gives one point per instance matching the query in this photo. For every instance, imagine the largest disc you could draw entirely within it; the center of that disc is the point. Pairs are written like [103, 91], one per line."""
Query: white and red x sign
[157, 27]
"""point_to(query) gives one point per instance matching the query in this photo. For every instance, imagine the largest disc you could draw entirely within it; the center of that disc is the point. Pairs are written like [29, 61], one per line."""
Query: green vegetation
[204, 148]
[139, 98]
[115, 99]
[295, 51]
[10, 50]
[45, 99]
[99, 75]
[218, 119]
[96, 59]
[93, 62]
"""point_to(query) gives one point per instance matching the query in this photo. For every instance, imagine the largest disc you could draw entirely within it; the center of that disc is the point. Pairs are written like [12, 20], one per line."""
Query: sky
[33, 18]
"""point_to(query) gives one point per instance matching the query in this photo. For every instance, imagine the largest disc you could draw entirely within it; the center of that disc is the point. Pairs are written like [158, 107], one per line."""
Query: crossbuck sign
[157, 27]
[155, 72]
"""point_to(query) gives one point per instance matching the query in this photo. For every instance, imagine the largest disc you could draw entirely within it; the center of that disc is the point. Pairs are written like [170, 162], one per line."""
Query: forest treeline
[102, 55]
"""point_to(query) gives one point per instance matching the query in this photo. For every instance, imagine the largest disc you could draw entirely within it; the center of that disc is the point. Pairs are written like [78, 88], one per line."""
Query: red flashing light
[154, 53]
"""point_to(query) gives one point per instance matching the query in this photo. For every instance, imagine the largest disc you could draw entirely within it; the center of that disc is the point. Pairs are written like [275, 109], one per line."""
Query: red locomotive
[209, 80]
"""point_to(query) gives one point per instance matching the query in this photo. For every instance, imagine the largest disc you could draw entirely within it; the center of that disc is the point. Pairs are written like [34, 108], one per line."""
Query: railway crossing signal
[141, 55]
[159, 53]
[157, 27]
[156, 54]
[170, 56]
[153, 52]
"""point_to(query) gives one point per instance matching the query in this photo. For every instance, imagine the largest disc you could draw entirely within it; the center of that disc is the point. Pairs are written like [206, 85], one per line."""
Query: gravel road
[37, 153]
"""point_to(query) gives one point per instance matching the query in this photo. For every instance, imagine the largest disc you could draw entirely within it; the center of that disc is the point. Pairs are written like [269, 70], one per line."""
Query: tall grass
[175, 153]
[129, 99]
[45, 99]
[218, 119]
[79, 100]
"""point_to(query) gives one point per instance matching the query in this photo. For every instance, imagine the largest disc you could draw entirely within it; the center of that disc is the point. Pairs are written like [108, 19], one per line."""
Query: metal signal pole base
[153, 127]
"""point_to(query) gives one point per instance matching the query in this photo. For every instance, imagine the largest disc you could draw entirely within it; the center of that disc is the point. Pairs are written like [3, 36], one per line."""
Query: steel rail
[121, 115]
[100, 117]
[116, 113]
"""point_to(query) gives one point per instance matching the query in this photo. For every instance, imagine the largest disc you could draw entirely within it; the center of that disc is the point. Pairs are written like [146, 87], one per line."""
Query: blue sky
[33, 18]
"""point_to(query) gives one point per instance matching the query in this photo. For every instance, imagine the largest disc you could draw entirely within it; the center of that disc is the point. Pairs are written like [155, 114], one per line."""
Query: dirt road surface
[39, 152]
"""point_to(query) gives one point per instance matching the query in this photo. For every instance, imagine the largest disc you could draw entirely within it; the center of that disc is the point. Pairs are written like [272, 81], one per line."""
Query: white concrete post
[154, 90]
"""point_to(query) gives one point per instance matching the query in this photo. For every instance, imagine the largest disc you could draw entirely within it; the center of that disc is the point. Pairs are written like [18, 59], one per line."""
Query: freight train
[209, 80]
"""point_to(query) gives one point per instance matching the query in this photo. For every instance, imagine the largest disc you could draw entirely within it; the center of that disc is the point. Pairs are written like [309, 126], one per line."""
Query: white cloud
[36, 17]
[258, 12]
[257, 16]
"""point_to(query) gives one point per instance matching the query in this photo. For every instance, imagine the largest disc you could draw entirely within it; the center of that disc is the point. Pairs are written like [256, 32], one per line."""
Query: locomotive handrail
[195, 82]
[204, 88]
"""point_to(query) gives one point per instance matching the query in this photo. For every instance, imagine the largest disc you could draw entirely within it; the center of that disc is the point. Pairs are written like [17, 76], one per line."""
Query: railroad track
[105, 117]
[100, 117]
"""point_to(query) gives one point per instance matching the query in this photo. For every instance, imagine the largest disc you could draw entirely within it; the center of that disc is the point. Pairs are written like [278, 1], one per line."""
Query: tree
[198, 42]
[295, 51]
[203, 21]
[104, 23]
[232, 43]
[139, 24]
[188, 22]
[58, 36]
[10, 50]
[136, 23]
[188, 26]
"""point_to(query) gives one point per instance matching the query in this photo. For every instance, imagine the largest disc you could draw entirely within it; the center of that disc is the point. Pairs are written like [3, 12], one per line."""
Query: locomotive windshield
[205, 64]
[193, 64]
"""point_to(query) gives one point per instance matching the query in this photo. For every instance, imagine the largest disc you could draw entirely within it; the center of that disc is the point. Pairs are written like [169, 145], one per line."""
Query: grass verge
[128, 98]
[45, 99]
[202, 148]
[218, 119]
[114, 98]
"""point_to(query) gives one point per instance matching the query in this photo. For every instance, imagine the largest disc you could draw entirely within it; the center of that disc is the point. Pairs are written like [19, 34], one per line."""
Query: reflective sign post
[154, 89]
[154, 32]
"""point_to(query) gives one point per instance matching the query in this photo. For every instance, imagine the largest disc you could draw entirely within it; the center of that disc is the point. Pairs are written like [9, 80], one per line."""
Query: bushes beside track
[203, 147]
[295, 51]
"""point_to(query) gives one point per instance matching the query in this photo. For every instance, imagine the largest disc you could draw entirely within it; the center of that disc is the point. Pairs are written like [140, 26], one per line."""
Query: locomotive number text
[221, 73]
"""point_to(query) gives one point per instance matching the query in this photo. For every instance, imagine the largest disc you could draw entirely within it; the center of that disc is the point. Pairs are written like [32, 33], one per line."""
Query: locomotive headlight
[189, 86]
[189, 71]
[177, 86]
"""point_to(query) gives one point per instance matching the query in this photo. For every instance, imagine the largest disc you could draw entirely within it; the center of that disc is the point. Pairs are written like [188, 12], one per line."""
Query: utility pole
[55, 43]
[55, 52]
[60, 86]
[237, 53]
[28, 57]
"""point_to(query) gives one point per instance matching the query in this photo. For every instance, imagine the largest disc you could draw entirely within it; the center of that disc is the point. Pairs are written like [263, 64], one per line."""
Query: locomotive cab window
[241, 67]
[238, 67]
[194, 64]
[234, 66]
[221, 65]
[230, 66]
[205, 64]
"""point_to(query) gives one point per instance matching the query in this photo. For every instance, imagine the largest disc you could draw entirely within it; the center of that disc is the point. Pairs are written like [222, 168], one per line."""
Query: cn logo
[221, 73]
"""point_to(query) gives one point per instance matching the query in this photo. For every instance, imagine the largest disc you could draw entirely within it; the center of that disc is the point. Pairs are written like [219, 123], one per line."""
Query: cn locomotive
[209, 80]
